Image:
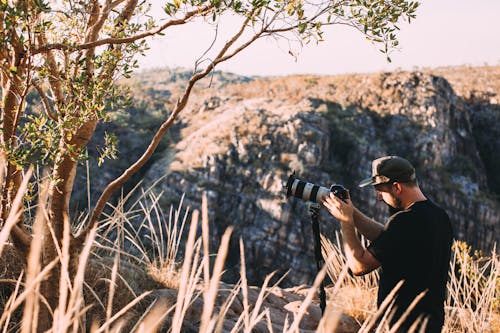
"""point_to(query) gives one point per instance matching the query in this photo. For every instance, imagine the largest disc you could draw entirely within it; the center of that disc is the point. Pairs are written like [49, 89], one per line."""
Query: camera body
[312, 192]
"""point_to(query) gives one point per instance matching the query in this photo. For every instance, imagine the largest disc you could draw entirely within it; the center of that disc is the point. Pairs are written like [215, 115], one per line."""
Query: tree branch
[266, 31]
[21, 239]
[222, 56]
[54, 79]
[108, 69]
[124, 40]
[96, 27]
[93, 16]
[180, 105]
[10, 227]
[127, 11]
[234, 39]
[45, 102]
[116, 3]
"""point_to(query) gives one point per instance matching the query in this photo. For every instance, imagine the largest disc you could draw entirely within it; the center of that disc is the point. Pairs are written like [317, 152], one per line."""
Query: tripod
[314, 209]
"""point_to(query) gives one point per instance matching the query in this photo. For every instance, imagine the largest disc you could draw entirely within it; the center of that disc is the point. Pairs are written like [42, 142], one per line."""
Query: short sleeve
[389, 243]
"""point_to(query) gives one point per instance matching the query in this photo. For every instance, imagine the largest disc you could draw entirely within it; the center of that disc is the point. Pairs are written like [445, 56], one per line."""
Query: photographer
[414, 245]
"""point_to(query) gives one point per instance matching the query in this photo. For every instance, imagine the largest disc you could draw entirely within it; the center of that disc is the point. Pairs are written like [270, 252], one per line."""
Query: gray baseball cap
[390, 169]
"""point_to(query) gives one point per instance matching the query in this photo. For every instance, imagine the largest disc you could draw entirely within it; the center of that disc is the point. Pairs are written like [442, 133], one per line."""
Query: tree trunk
[10, 118]
[58, 212]
[11, 176]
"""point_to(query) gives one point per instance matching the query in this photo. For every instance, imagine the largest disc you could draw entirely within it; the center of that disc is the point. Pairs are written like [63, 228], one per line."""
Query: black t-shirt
[415, 246]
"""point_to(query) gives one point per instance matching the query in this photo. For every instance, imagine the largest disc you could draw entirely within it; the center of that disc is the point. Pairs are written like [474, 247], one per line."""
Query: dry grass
[473, 303]
[125, 299]
[357, 302]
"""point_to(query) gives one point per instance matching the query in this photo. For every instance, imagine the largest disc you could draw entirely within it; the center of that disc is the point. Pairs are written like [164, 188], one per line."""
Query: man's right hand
[341, 210]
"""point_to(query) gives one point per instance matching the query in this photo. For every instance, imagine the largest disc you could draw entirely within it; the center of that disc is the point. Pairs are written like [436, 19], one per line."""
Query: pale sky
[445, 33]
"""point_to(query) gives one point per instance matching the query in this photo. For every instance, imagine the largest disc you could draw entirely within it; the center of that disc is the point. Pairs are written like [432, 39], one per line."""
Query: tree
[68, 55]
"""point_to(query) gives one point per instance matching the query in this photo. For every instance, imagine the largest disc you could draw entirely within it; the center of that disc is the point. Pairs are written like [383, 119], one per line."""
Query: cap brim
[367, 182]
[372, 181]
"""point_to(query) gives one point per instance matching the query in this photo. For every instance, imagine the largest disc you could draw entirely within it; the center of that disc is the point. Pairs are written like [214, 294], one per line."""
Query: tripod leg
[314, 209]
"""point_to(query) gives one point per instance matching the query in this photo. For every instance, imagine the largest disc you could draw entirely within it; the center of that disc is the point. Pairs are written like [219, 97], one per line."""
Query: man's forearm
[359, 260]
[367, 226]
[352, 246]
[355, 252]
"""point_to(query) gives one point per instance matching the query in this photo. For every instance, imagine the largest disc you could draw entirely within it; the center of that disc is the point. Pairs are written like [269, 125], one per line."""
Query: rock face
[239, 145]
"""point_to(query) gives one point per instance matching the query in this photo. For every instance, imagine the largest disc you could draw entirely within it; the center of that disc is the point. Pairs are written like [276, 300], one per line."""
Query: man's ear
[398, 187]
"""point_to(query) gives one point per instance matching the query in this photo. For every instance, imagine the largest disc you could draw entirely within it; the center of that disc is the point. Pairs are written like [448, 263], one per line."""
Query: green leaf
[302, 27]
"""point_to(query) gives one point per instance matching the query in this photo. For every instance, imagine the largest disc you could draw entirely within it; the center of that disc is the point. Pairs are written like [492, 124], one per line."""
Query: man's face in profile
[386, 194]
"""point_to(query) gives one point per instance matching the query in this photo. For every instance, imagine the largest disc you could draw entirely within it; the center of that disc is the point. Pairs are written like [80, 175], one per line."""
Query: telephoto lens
[312, 192]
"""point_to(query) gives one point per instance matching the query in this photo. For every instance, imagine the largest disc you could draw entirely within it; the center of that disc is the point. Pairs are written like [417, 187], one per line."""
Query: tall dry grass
[472, 305]
[355, 295]
[143, 235]
[173, 248]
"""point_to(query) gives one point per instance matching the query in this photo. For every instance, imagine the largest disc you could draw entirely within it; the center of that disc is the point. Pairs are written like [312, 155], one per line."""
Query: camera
[311, 192]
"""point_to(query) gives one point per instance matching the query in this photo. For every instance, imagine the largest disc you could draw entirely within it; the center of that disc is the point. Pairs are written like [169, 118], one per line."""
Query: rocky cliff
[239, 142]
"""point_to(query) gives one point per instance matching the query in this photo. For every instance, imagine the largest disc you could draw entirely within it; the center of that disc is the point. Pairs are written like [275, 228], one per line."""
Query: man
[414, 246]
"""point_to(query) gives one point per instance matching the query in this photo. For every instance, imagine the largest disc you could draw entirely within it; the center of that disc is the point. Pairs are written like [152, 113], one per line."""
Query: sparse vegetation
[128, 267]
[71, 54]
[120, 285]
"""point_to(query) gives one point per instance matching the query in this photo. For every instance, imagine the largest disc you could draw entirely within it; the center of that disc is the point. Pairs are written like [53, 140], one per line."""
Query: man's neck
[413, 195]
